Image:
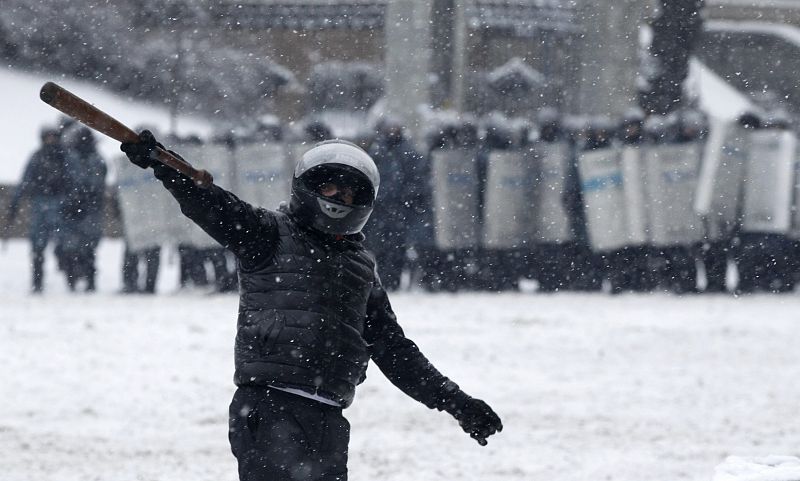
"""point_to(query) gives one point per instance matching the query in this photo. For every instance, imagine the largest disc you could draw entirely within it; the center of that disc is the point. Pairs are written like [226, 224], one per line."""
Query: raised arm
[406, 367]
[246, 231]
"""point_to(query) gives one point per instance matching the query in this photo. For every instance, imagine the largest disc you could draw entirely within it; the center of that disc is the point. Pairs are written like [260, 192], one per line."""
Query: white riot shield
[455, 198]
[604, 198]
[508, 200]
[264, 172]
[719, 189]
[551, 223]
[217, 159]
[634, 179]
[672, 175]
[769, 182]
[150, 216]
[795, 232]
[295, 151]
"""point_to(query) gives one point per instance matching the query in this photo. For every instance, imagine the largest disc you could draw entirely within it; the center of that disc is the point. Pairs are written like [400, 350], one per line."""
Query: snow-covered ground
[590, 387]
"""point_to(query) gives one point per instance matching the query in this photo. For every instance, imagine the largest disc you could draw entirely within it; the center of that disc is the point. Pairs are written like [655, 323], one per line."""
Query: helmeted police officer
[83, 209]
[43, 184]
[399, 205]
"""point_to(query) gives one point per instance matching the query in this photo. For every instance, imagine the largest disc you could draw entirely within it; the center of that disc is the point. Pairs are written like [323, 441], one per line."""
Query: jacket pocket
[269, 332]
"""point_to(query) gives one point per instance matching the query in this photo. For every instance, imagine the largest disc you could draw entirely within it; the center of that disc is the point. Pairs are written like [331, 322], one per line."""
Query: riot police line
[573, 204]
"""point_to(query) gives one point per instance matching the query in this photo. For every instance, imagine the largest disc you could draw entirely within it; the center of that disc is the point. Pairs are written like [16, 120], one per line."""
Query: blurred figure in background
[43, 184]
[765, 256]
[553, 262]
[499, 269]
[717, 253]
[680, 273]
[82, 210]
[388, 231]
[142, 256]
[628, 266]
[587, 267]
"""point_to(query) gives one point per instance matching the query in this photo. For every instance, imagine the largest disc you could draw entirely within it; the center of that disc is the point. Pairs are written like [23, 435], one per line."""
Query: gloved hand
[142, 153]
[477, 419]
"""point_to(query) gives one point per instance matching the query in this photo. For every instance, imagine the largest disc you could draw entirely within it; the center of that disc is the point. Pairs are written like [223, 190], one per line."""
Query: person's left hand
[478, 420]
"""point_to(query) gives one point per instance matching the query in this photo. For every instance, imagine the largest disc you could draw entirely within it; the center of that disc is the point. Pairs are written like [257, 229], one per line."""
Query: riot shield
[550, 222]
[795, 232]
[634, 180]
[264, 174]
[218, 160]
[672, 175]
[604, 198]
[719, 189]
[769, 184]
[455, 198]
[508, 200]
[150, 216]
[295, 150]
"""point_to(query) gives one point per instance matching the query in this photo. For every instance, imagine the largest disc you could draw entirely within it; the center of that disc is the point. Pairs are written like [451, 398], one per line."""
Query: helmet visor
[339, 183]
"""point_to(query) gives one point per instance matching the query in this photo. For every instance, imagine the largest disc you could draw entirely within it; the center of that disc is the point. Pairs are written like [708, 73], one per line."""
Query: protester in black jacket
[312, 313]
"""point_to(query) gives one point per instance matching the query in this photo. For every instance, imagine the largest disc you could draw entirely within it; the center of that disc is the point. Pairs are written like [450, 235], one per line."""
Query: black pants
[192, 266]
[765, 263]
[130, 269]
[278, 436]
[628, 270]
[715, 258]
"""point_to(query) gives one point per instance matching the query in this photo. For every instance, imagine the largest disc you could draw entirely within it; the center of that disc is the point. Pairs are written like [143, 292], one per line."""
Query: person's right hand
[144, 152]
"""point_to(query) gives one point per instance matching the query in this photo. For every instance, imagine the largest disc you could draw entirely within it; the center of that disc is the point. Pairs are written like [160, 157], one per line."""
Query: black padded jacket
[312, 310]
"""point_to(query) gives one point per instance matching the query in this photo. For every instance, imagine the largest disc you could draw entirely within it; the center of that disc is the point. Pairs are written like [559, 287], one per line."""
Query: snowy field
[590, 387]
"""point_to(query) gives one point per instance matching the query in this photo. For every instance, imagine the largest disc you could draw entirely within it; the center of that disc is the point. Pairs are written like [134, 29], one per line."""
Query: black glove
[476, 418]
[144, 152]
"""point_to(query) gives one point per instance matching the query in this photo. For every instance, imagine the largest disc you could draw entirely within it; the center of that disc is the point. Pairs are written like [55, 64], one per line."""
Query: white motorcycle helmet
[334, 187]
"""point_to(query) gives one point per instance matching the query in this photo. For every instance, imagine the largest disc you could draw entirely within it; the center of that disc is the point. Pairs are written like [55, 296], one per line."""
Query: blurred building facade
[755, 47]
[299, 34]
